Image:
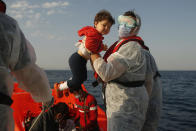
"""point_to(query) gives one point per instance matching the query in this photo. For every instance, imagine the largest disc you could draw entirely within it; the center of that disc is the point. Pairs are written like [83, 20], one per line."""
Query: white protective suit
[154, 88]
[131, 108]
[17, 57]
[126, 107]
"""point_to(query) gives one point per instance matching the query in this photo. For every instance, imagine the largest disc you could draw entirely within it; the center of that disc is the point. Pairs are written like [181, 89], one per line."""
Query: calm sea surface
[179, 97]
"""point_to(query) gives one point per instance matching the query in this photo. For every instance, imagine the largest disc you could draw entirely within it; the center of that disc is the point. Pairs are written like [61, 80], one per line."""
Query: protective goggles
[127, 21]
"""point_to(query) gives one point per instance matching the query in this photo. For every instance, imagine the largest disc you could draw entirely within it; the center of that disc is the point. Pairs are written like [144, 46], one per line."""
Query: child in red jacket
[92, 43]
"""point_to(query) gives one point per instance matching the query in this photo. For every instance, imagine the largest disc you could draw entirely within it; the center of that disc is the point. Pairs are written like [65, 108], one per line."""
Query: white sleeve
[6, 81]
[111, 70]
[31, 51]
[128, 57]
[34, 80]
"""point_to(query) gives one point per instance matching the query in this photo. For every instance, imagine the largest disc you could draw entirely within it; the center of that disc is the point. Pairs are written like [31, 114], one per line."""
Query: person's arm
[107, 71]
[29, 75]
[93, 110]
[127, 57]
[34, 80]
[77, 114]
[93, 114]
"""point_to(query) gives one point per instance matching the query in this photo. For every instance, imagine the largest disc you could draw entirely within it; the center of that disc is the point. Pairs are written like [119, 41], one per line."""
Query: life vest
[25, 107]
[87, 112]
[115, 47]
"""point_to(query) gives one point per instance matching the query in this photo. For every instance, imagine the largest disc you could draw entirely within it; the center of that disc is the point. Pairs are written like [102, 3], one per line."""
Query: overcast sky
[168, 28]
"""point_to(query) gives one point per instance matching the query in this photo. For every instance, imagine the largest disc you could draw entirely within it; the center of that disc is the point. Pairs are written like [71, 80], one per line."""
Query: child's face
[103, 27]
[76, 94]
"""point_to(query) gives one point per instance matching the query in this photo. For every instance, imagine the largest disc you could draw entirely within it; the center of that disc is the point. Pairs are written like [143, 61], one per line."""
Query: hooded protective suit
[126, 106]
[17, 58]
[153, 85]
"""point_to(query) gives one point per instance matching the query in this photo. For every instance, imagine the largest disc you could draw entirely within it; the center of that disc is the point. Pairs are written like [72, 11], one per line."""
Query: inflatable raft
[24, 106]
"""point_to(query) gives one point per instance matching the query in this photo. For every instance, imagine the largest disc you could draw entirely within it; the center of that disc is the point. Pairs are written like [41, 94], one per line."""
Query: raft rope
[43, 110]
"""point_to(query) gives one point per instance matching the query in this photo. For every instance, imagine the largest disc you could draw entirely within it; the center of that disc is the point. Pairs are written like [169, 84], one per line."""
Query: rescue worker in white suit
[124, 72]
[153, 85]
[17, 58]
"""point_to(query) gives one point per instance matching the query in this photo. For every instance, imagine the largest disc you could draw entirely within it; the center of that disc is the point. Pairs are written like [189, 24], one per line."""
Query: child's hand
[84, 39]
[105, 47]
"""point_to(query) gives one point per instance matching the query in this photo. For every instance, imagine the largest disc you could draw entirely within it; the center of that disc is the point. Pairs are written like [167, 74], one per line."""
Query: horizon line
[159, 70]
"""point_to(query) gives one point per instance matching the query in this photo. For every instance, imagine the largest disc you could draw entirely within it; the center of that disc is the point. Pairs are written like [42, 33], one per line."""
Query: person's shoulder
[7, 18]
[91, 100]
[8, 21]
[91, 97]
[87, 31]
[129, 50]
[87, 28]
[131, 45]
[148, 54]
[91, 31]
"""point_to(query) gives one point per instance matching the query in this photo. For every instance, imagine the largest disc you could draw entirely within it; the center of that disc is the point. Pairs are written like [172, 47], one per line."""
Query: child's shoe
[63, 86]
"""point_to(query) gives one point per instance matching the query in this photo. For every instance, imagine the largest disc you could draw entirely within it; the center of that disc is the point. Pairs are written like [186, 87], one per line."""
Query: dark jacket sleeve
[46, 122]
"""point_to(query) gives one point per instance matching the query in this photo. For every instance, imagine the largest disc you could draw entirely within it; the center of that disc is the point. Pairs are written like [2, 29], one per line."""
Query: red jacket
[93, 39]
[87, 112]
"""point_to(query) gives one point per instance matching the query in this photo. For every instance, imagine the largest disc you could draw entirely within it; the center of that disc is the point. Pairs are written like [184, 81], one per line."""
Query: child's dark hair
[130, 13]
[104, 15]
[2, 6]
[61, 108]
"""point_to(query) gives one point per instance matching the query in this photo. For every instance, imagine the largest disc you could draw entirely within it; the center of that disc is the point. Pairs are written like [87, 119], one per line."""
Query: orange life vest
[87, 111]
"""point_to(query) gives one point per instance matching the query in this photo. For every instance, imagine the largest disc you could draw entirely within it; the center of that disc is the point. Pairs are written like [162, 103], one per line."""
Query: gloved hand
[63, 86]
[48, 104]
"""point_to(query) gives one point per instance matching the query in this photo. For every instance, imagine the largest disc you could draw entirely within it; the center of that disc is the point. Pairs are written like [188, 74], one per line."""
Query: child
[91, 43]
[57, 118]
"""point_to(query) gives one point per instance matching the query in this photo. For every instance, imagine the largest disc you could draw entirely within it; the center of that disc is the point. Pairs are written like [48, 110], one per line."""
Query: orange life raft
[24, 105]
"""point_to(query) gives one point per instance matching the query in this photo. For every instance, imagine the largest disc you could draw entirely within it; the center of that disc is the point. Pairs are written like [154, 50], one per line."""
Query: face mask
[124, 31]
[77, 96]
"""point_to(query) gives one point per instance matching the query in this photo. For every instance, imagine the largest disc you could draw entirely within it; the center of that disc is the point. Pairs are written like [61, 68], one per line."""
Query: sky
[168, 28]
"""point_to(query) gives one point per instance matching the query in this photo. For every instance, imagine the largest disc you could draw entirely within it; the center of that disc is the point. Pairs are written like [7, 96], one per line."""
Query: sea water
[179, 97]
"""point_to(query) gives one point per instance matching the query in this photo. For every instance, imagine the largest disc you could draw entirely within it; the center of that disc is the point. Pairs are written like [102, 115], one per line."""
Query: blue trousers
[79, 71]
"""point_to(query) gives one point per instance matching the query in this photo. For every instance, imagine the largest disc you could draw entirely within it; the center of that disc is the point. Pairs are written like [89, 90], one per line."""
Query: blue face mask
[123, 31]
